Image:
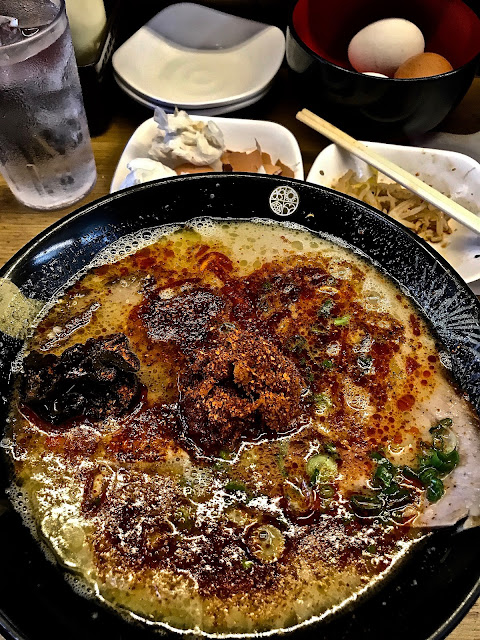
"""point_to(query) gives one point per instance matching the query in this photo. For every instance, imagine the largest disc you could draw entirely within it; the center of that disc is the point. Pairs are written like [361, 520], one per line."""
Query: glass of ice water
[45, 151]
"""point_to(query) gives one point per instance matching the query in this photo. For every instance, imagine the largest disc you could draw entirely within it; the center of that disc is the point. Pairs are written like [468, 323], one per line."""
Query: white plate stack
[198, 59]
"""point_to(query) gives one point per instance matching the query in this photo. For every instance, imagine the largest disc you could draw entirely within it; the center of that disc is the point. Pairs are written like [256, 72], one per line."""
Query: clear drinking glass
[45, 151]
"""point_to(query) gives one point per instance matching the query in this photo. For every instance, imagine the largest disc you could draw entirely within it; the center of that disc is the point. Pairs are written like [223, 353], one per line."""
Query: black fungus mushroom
[96, 379]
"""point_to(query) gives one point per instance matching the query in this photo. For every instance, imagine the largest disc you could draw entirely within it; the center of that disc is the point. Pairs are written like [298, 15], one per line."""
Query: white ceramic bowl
[196, 57]
[239, 135]
[454, 174]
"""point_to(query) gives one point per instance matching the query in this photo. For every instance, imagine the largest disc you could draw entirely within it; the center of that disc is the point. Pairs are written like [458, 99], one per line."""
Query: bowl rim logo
[284, 201]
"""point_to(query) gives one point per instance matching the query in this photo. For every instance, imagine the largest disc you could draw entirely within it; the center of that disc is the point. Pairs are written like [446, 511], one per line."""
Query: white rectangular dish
[239, 135]
[454, 174]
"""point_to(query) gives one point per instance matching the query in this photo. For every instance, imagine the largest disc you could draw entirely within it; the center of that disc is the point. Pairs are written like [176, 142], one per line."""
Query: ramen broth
[257, 449]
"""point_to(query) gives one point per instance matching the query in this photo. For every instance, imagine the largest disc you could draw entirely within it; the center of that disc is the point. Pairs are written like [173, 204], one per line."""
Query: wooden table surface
[18, 224]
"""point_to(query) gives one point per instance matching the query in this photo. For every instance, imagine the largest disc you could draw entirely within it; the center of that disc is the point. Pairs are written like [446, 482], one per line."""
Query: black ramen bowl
[435, 587]
[317, 42]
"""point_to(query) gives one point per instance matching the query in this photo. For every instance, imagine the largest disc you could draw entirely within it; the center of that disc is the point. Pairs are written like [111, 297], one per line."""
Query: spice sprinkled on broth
[234, 429]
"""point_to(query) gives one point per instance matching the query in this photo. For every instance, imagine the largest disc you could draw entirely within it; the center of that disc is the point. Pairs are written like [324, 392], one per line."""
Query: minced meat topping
[239, 387]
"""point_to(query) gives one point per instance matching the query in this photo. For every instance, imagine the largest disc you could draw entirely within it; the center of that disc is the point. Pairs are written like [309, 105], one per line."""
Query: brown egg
[423, 65]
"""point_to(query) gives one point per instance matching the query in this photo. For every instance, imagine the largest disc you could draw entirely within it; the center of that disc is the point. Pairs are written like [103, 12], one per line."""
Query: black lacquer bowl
[434, 588]
[373, 108]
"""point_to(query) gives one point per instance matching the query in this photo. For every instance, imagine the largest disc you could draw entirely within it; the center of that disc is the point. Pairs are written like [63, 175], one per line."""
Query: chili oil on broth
[238, 492]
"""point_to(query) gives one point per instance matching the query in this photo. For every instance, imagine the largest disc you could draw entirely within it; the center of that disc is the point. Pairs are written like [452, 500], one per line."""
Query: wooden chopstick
[390, 169]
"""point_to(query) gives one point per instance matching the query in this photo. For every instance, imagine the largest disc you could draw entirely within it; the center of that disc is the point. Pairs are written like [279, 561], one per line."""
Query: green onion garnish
[325, 308]
[323, 401]
[234, 485]
[366, 505]
[321, 469]
[342, 321]
[435, 489]
[331, 449]
[365, 363]
[296, 343]
[247, 564]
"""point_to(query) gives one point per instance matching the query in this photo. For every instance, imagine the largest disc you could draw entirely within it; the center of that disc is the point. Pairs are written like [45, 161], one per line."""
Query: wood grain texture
[18, 224]
[469, 627]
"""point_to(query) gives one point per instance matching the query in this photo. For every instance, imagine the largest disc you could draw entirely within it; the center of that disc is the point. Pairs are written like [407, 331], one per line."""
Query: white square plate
[195, 57]
[454, 174]
[239, 135]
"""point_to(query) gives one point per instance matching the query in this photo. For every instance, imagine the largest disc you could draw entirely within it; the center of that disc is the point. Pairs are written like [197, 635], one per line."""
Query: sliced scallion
[342, 321]
[442, 462]
[365, 364]
[226, 327]
[325, 490]
[331, 449]
[325, 308]
[318, 329]
[322, 401]
[321, 469]
[435, 489]
[234, 485]
[296, 343]
[367, 506]
[443, 438]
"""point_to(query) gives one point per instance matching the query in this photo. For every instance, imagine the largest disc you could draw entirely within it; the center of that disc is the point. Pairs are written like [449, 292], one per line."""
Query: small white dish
[454, 174]
[239, 135]
[195, 57]
[213, 111]
[468, 143]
